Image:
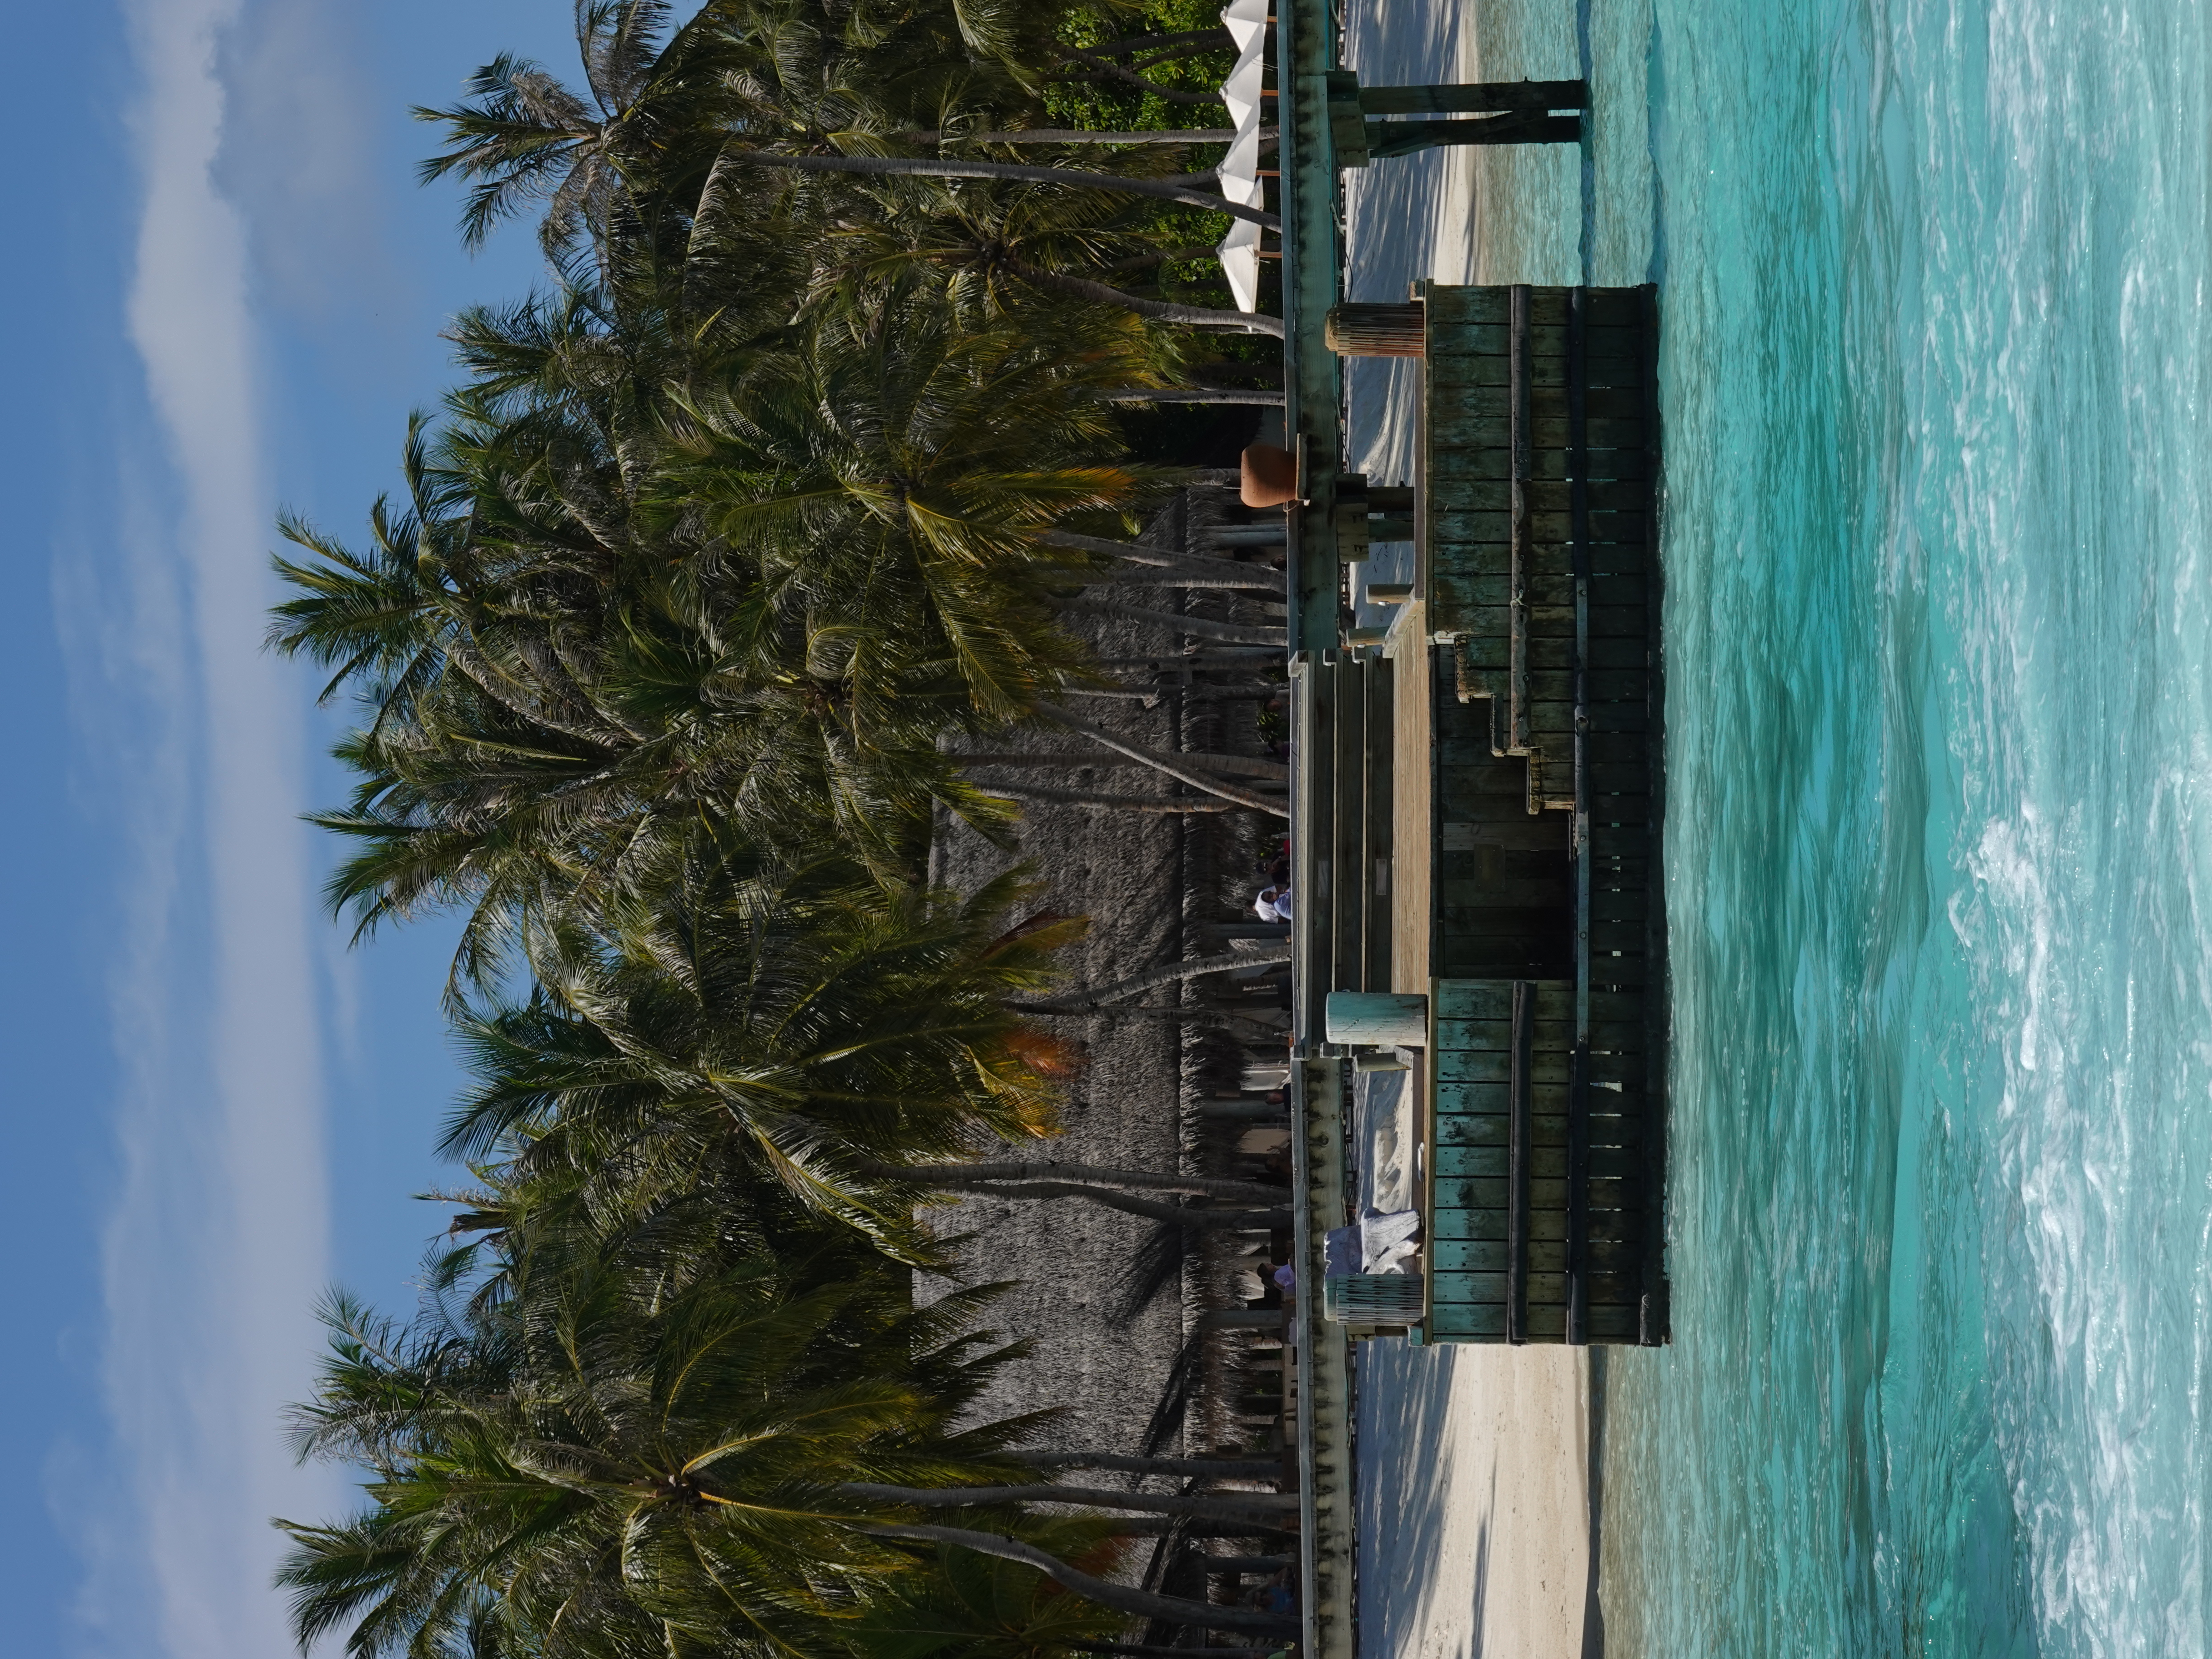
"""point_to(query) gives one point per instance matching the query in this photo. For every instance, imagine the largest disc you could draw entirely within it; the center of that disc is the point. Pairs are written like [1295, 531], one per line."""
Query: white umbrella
[1246, 22]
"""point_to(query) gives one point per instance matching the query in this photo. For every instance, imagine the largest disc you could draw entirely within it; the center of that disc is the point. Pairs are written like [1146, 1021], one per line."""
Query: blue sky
[226, 293]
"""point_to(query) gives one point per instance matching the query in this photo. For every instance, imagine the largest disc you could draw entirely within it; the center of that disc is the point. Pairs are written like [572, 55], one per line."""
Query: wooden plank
[1619, 716]
[1536, 924]
[1520, 1187]
[1545, 1255]
[1616, 1066]
[1449, 466]
[1611, 308]
[1493, 1065]
[1489, 955]
[1455, 306]
[1509, 893]
[1510, 839]
[1620, 654]
[1549, 1161]
[1467, 999]
[1546, 496]
[1468, 394]
[1456, 1100]
[1472, 590]
[1522, 529]
[1608, 1225]
[1474, 1036]
[1613, 748]
[1613, 1324]
[1547, 1290]
[1468, 1322]
[1621, 809]
[1413, 808]
[1618, 935]
[1617, 970]
[1608, 622]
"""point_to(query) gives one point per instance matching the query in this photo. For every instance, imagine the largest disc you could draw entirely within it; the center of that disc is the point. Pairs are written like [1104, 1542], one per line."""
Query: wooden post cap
[1384, 1019]
[1378, 331]
[1270, 476]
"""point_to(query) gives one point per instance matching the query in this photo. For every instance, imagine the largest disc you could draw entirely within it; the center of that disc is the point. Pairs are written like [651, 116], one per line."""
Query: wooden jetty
[1477, 800]
[1527, 914]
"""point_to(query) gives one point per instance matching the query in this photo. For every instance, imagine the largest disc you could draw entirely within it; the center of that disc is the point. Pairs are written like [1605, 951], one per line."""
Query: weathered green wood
[1475, 1255]
[1606, 1225]
[1547, 1125]
[1548, 1161]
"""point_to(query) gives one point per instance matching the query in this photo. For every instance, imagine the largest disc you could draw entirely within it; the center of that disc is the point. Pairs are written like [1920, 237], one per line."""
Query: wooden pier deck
[1477, 800]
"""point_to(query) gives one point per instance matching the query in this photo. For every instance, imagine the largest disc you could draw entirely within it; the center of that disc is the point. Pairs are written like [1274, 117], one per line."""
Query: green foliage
[659, 657]
[633, 1451]
[975, 1606]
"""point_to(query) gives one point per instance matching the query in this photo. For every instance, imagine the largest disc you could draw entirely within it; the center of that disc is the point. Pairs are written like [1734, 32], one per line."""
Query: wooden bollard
[1384, 1018]
[1378, 331]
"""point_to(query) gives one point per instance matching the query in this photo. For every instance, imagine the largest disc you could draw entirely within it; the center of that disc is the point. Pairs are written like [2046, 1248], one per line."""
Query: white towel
[1386, 1240]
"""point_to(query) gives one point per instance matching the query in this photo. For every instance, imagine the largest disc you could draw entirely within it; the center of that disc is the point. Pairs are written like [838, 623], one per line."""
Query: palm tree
[800, 1027]
[633, 1450]
[979, 1607]
[621, 1458]
[763, 593]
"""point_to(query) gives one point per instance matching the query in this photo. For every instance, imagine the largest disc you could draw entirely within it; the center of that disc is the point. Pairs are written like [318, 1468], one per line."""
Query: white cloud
[216, 1248]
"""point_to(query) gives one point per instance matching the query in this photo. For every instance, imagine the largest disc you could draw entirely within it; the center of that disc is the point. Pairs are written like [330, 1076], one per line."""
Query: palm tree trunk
[1121, 1598]
[1250, 766]
[1196, 780]
[1082, 135]
[1014, 1170]
[1104, 798]
[1229, 1506]
[1192, 1217]
[1087, 1000]
[1138, 553]
[1226, 1469]
[1187, 395]
[1192, 626]
[1252, 322]
[905, 166]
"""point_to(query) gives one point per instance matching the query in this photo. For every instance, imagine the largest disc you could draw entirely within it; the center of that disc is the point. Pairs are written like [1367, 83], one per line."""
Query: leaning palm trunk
[1260, 398]
[1081, 288]
[1122, 1598]
[1015, 1170]
[1165, 558]
[1088, 1001]
[1260, 1506]
[1193, 1218]
[915, 167]
[1082, 135]
[1194, 627]
[1217, 1468]
[1107, 799]
[1197, 780]
[1250, 766]
[1260, 581]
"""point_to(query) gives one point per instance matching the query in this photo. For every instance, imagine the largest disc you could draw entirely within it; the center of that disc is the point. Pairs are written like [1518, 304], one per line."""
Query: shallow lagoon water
[1938, 618]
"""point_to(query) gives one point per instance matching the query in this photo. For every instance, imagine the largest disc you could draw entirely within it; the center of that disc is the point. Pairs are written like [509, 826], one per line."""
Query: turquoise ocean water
[1939, 629]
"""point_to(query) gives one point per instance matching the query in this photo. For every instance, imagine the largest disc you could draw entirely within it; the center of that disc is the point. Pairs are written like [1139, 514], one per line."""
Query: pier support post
[1506, 112]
